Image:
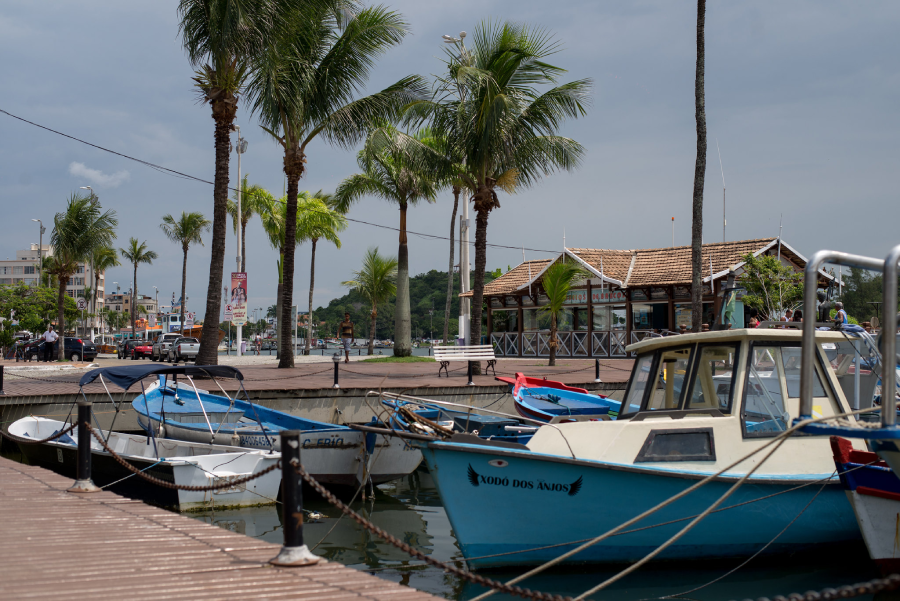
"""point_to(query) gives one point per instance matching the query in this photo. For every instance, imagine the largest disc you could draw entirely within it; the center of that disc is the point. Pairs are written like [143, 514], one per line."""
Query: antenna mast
[724, 221]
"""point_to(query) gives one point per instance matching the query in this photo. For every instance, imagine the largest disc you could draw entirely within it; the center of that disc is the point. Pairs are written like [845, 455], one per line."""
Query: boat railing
[889, 268]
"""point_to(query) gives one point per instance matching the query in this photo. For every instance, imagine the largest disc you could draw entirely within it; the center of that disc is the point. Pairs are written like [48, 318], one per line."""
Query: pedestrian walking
[347, 336]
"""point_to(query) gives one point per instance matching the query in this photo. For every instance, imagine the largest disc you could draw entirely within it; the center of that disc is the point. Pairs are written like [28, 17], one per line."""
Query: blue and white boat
[727, 395]
[333, 454]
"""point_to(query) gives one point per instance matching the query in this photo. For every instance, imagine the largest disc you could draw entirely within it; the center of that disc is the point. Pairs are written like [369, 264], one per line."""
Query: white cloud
[95, 176]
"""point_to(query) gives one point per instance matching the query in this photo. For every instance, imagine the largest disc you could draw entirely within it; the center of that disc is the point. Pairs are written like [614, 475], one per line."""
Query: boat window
[713, 382]
[672, 372]
[763, 412]
[790, 358]
[640, 378]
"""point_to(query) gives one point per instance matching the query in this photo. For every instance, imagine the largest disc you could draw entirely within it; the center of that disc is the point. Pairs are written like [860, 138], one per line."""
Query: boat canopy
[125, 376]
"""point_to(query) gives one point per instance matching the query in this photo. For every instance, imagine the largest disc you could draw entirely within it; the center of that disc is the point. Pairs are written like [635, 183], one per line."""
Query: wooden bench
[480, 352]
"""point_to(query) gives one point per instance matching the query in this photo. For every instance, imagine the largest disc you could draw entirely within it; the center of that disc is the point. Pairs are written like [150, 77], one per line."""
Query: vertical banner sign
[239, 297]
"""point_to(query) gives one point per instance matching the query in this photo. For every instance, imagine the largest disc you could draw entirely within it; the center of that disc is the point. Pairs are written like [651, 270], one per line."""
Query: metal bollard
[294, 553]
[1, 377]
[596, 370]
[337, 361]
[470, 383]
[83, 483]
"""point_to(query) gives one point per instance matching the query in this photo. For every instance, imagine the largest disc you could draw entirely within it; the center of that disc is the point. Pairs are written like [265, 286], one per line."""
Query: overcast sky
[802, 97]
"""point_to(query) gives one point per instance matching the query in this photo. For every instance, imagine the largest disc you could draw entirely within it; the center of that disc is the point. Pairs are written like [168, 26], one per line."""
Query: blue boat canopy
[126, 375]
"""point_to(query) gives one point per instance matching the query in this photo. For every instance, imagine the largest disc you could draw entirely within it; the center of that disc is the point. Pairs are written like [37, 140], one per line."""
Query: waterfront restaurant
[630, 294]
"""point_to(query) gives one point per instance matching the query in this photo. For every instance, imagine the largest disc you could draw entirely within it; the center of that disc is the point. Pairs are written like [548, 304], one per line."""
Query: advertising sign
[607, 296]
[239, 298]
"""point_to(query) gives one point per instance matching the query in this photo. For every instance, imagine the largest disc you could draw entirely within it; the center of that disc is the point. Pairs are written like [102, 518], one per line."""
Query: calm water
[384, 352]
[411, 510]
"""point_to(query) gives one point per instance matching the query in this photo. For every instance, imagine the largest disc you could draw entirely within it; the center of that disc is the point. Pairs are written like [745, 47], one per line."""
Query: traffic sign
[189, 319]
[82, 304]
[229, 313]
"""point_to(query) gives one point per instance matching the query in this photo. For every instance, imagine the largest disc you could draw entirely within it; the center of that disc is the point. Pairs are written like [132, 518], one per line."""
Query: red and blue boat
[548, 401]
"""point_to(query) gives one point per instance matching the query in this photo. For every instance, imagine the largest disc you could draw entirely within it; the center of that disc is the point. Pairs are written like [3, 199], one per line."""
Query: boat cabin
[706, 399]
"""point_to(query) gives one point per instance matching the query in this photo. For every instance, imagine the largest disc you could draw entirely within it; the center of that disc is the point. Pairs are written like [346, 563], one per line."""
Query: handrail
[202, 408]
[889, 339]
[808, 340]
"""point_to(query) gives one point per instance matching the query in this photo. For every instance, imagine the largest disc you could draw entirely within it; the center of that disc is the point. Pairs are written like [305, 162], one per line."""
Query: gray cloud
[95, 176]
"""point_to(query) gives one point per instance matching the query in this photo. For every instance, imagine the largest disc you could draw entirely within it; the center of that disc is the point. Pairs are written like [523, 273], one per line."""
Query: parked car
[142, 350]
[161, 346]
[127, 348]
[184, 349]
[75, 349]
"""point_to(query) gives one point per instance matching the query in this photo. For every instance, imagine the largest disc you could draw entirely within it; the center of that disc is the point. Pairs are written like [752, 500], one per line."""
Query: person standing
[347, 336]
[49, 337]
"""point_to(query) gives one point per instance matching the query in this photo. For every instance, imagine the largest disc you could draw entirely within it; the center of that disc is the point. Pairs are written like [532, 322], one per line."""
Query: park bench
[478, 352]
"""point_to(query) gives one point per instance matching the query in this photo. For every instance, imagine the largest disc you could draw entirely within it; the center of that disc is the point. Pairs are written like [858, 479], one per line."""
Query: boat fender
[161, 432]
[235, 440]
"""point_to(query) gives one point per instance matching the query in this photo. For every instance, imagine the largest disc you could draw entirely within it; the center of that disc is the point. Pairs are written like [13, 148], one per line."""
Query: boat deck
[59, 544]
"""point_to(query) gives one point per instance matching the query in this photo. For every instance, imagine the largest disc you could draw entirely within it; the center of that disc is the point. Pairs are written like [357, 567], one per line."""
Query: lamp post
[464, 309]
[41, 252]
[241, 148]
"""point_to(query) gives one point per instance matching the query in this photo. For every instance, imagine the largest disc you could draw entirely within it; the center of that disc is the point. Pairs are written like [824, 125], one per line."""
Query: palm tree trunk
[60, 317]
[312, 283]
[402, 336]
[481, 221]
[223, 112]
[699, 176]
[293, 168]
[552, 362]
[134, 306]
[456, 192]
[374, 316]
[183, 284]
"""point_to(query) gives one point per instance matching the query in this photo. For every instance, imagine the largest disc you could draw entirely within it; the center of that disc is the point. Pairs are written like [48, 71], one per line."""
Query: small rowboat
[537, 383]
[546, 403]
[436, 419]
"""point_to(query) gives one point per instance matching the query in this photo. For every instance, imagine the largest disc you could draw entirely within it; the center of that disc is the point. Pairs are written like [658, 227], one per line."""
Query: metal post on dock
[294, 552]
[470, 383]
[83, 483]
[1, 378]
[596, 370]
[337, 361]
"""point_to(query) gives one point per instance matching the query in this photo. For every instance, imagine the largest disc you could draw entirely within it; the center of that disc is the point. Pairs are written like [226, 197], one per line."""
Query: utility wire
[181, 175]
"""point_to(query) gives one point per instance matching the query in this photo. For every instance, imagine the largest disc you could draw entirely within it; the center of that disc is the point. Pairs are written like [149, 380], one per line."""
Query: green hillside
[426, 290]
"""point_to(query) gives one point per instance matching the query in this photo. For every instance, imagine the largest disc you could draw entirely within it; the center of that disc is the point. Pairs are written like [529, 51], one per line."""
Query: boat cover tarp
[126, 375]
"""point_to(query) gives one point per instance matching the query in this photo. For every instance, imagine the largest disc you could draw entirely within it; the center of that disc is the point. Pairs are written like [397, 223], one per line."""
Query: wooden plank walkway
[356, 375]
[61, 545]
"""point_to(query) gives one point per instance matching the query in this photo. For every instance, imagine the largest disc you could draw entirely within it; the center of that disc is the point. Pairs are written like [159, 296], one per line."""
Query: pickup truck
[183, 349]
[160, 351]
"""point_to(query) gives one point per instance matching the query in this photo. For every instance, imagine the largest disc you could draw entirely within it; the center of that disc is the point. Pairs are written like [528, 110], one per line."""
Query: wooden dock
[62, 545]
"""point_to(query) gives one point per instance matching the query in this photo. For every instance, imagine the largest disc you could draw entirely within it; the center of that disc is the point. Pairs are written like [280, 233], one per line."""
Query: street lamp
[157, 300]
[241, 148]
[41, 253]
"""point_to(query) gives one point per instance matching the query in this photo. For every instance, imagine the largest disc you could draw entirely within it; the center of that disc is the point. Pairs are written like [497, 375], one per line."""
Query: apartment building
[121, 302]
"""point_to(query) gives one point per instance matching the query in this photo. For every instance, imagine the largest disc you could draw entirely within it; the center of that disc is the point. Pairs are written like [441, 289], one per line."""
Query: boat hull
[527, 500]
[331, 457]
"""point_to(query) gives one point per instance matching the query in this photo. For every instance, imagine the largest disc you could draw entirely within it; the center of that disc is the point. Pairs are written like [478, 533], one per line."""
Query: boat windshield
[637, 386]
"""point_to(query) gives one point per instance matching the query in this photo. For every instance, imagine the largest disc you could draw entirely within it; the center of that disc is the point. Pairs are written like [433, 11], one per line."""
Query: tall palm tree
[493, 108]
[220, 37]
[699, 175]
[253, 197]
[388, 174]
[376, 282]
[315, 220]
[77, 231]
[186, 230]
[304, 86]
[136, 253]
[105, 257]
[557, 281]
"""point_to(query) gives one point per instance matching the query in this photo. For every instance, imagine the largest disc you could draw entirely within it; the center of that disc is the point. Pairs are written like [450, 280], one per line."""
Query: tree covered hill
[426, 291]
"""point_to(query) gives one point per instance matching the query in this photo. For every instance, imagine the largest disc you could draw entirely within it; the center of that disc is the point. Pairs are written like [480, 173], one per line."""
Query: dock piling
[83, 483]
[294, 553]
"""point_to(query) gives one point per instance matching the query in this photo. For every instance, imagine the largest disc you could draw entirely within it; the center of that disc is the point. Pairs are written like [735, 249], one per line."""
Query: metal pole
[856, 398]
[1, 378]
[889, 340]
[83, 483]
[337, 363]
[294, 553]
[470, 382]
[240, 333]
[596, 370]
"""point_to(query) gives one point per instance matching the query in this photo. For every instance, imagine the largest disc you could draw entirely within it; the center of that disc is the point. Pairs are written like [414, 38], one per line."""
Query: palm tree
[105, 257]
[253, 197]
[699, 175]
[376, 282]
[220, 37]
[388, 174]
[492, 110]
[77, 231]
[303, 86]
[557, 281]
[315, 220]
[185, 230]
[137, 253]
